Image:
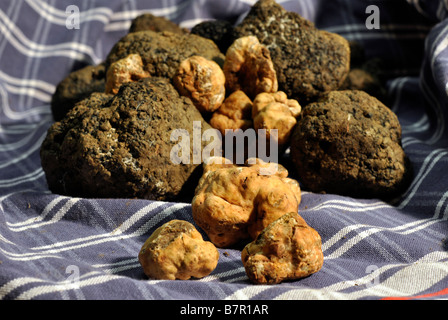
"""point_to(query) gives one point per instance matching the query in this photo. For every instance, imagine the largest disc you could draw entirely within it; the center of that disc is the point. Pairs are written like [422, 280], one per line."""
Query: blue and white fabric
[59, 247]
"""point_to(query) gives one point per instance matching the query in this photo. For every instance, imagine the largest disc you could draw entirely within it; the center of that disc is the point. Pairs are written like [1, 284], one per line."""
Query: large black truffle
[77, 86]
[119, 146]
[308, 61]
[349, 143]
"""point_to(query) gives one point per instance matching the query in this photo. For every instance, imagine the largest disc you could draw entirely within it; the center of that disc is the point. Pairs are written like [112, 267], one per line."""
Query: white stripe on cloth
[115, 235]
[59, 17]
[408, 279]
[72, 50]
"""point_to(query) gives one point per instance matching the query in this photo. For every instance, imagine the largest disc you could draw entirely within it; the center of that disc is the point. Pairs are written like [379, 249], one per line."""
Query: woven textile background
[58, 247]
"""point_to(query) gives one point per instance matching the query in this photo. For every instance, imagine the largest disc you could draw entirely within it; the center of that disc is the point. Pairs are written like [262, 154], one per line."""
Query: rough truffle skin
[162, 52]
[349, 143]
[287, 249]
[308, 61]
[176, 250]
[148, 21]
[219, 31]
[77, 86]
[233, 203]
[119, 146]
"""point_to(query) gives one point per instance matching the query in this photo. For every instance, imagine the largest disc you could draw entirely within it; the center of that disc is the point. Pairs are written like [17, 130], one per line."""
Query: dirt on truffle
[119, 146]
[308, 61]
[349, 143]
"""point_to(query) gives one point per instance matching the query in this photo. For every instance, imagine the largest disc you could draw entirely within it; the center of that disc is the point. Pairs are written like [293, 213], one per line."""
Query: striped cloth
[59, 247]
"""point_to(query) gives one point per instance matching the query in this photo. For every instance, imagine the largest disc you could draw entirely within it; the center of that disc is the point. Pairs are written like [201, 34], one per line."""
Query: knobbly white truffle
[176, 250]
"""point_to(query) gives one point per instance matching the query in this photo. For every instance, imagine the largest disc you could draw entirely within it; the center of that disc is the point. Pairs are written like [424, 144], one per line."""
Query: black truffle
[349, 143]
[162, 52]
[308, 61]
[148, 21]
[219, 31]
[118, 146]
